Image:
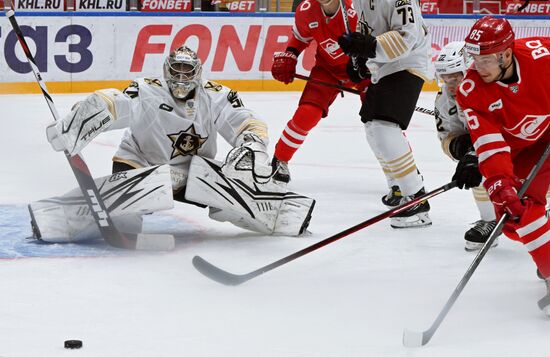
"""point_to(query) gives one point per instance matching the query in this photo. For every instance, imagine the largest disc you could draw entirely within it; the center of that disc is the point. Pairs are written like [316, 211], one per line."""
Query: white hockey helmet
[182, 71]
[453, 58]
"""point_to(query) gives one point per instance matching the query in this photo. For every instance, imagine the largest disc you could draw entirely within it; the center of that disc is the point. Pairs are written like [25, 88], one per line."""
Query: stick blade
[413, 338]
[544, 304]
[217, 274]
[155, 242]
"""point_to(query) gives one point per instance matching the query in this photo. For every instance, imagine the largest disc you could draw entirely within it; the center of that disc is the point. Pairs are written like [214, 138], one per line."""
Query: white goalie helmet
[182, 71]
[453, 58]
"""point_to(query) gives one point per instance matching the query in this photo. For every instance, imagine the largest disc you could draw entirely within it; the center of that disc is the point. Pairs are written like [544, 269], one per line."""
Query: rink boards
[87, 51]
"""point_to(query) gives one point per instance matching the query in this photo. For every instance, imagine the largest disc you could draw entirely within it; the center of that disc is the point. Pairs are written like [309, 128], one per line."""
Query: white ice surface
[351, 298]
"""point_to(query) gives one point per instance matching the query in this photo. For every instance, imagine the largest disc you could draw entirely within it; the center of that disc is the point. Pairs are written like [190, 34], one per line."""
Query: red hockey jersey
[505, 118]
[311, 23]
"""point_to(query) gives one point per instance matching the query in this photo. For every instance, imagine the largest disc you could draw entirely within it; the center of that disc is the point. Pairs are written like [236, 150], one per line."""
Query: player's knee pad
[306, 118]
[386, 140]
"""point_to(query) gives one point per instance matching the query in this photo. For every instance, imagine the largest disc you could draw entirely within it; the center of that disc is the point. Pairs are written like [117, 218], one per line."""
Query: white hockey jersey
[450, 121]
[403, 41]
[164, 130]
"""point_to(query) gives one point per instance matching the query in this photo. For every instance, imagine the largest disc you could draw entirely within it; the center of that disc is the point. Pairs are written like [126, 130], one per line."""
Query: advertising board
[93, 49]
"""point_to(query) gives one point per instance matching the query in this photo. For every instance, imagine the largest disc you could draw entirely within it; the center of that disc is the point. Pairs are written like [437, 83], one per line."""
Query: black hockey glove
[460, 145]
[467, 173]
[359, 74]
[358, 44]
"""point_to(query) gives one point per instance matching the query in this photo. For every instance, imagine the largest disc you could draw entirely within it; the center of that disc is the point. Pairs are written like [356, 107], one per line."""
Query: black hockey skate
[280, 170]
[416, 216]
[477, 235]
[393, 198]
[544, 303]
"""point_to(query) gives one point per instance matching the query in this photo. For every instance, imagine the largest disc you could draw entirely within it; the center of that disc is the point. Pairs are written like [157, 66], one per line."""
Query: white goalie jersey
[450, 121]
[164, 130]
[181, 133]
[403, 41]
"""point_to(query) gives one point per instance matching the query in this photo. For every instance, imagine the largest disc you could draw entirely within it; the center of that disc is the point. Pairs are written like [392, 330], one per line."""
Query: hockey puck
[73, 344]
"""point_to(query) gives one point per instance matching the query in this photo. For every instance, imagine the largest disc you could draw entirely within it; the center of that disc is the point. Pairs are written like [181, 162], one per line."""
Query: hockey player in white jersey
[392, 39]
[450, 67]
[174, 120]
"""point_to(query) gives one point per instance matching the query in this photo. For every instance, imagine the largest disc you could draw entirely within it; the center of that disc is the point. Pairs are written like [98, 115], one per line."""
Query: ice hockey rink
[353, 297]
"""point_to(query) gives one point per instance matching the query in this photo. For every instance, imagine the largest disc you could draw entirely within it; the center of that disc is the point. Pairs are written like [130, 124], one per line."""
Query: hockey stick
[344, 11]
[350, 90]
[523, 6]
[221, 276]
[85, 180]
[326, 84]
[417, 339]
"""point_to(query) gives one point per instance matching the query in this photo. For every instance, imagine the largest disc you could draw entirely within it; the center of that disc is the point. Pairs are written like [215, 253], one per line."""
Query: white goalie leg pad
[127, 195]
[55, 223]
[235, 194]
[294, 211]
[294, 216]
[80, 126]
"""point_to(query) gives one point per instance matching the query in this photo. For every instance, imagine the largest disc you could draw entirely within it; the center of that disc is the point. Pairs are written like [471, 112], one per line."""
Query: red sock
[306, 118]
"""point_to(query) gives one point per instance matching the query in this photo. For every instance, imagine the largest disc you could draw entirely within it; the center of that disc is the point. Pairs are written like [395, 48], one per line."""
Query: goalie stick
[418, 339]
[221, 276]
[351, 90]
[85, 180]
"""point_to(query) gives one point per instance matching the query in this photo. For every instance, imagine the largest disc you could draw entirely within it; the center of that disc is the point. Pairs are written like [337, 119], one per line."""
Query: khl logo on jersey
[496, 105]
[332, 48]
[186, 142]
[531, 127]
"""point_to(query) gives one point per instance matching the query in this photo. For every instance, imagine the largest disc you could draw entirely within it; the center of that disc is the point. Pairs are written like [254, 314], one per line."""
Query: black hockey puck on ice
[73, 344]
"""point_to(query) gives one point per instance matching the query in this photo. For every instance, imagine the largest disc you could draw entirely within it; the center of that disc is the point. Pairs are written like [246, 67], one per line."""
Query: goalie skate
[416, 216]
[476, 236]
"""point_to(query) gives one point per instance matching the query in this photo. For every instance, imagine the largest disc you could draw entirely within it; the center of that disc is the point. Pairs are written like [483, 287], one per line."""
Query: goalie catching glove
[250, 153]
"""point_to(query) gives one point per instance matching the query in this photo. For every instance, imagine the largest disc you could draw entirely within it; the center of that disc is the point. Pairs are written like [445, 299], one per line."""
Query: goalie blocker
[235, 193]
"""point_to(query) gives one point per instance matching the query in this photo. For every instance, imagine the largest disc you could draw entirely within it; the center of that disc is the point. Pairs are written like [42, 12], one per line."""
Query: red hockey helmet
[489, 35]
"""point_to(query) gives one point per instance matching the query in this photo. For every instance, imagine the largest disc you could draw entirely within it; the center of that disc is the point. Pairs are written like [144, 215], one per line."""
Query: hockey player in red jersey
[450, 67]
[506, 100]
[322, 21]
